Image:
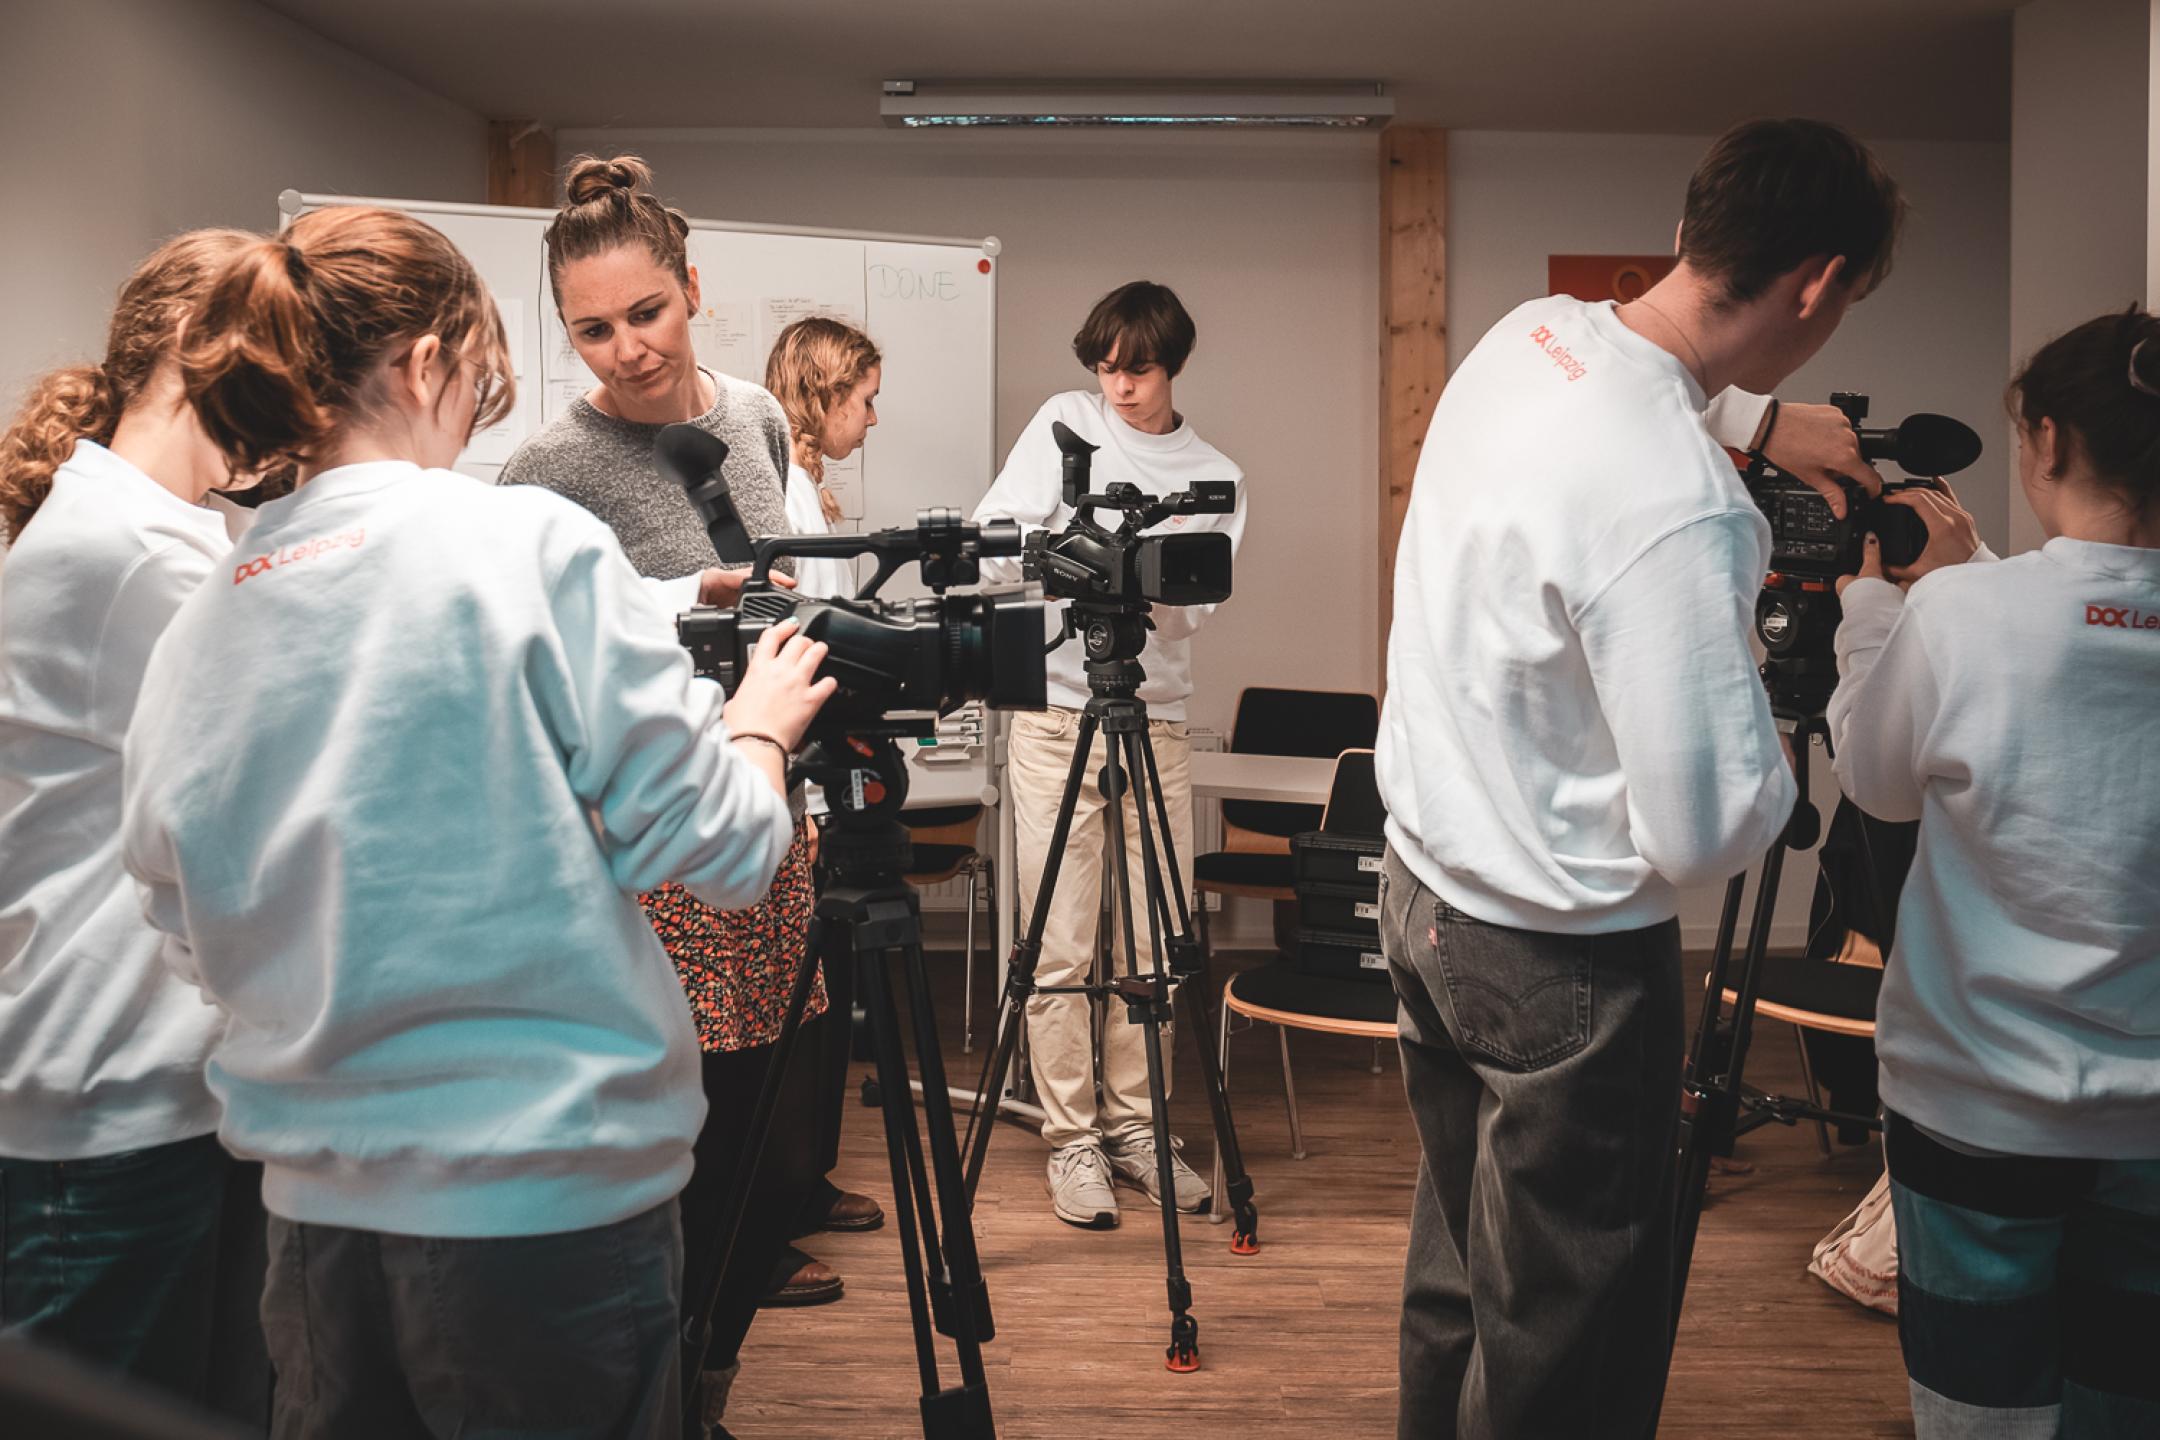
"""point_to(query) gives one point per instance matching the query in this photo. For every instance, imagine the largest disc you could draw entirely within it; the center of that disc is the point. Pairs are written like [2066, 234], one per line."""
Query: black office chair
[1255, 859]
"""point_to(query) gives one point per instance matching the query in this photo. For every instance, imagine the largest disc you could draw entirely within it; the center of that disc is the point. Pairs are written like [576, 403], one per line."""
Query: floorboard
[1300, 1340]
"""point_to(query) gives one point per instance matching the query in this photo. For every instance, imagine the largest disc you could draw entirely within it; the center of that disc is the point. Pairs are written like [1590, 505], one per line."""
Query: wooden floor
[1300, 1339]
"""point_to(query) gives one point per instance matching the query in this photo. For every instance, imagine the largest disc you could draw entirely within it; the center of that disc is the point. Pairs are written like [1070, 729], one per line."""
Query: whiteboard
[930, 304]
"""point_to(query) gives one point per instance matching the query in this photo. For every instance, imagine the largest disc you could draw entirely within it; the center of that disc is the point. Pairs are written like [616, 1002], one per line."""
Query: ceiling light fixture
[954, 105]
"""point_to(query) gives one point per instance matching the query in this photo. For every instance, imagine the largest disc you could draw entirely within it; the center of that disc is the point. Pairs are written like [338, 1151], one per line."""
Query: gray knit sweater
[606, 465]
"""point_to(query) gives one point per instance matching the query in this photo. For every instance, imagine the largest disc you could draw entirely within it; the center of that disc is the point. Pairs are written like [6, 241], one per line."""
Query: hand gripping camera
[1113, 574]
[927, 655]
[1797, 614]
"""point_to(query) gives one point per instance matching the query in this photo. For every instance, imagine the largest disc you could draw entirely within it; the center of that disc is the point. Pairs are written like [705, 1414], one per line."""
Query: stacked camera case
[1335, 871]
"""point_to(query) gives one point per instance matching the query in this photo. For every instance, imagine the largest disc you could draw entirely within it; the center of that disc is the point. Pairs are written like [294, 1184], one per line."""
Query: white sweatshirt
[398, 770]
[1029, 490]
[1574, 727]
[815, 579]
[101, 1048]
[2008, 708]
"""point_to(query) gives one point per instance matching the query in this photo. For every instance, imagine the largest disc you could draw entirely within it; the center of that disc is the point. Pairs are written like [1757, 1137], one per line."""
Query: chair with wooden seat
[1835, 995]
[943, 840]
[1279, 994]
[1255, 859]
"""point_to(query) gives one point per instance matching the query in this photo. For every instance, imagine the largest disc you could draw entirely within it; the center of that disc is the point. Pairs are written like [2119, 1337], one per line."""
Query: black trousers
[1544, 1076]
[788, 1168]
[401, 1337]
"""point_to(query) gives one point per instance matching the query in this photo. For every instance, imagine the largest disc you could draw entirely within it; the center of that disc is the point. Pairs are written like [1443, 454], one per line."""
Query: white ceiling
[1905, 68]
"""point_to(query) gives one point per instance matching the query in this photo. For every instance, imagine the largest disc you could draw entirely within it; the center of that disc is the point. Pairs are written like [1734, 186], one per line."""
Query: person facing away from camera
[1135, 343]
[398, 769]
[2008, 707]
[106, 483]
[1574, 731]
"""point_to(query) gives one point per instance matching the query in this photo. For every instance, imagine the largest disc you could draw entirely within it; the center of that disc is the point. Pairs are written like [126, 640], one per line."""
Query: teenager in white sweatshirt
[398, 769]
[1574, 731]
[104, 1112]
[1134, 342]
[2008, 707]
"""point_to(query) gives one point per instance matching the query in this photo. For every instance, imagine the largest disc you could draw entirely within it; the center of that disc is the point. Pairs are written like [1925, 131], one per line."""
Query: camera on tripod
[1796, 616]
[932, 654]
[1094, 563]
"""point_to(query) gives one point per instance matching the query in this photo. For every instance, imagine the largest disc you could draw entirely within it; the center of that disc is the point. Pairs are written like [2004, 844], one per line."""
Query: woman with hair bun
[618, 262]
[397, 771]
[2008, 707]
[825, 373]
[105, 486]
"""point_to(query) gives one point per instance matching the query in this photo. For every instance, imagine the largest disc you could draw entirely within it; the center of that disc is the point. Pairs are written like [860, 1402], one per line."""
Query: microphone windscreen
[1936, 445]
[692, 456]
[689, 453]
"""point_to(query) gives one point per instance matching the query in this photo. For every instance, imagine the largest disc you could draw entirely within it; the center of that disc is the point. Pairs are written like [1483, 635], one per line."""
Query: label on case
[1366, 910]
[1370, 864]
[1372, 960]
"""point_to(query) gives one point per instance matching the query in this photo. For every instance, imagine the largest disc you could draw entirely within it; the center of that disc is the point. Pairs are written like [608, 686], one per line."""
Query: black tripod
[1712, 1096]
[869, 917]
[1114, 635]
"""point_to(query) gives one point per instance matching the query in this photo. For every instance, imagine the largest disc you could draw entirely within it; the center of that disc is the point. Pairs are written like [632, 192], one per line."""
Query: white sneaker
[1132, 1157]
[1079, 1185]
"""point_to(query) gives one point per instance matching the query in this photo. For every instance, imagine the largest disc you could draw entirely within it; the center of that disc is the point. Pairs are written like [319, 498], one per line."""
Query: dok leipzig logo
[285, 555]
[2121, 617]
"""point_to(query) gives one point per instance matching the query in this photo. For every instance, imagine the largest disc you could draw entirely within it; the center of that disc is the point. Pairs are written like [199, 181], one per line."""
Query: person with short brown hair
[1574, 731]
[1135, 342]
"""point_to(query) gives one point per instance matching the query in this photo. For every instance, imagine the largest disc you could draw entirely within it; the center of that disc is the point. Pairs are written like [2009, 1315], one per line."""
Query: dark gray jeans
[396, 1337]
[1544, 1076]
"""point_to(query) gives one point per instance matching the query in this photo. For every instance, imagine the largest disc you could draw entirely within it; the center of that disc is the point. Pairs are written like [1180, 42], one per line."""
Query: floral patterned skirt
[737, 966]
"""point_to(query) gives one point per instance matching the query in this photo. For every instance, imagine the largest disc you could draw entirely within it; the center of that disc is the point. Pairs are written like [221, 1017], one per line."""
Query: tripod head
[864, 778]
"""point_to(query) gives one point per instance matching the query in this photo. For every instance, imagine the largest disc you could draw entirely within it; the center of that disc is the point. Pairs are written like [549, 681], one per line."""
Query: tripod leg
[1183, 1353]
[1710, 1101]
[697, 1333]
[1234, 1186]
[971, 1323]
[875, 982]
[1020, 972]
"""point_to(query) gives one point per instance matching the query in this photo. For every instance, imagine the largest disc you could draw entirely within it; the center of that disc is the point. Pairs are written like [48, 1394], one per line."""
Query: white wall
[1273, 243]
[125, 121]
[2080, 73]
[1932, 338]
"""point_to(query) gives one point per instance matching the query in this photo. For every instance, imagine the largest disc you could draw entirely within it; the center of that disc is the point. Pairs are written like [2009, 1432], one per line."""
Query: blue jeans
[1543, 1073]
[148, 1262]
[2028, 1291]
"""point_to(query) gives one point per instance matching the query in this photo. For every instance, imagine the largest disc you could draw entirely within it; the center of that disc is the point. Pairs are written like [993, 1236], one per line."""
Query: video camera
[1093, 564]
[931, 654]
[1796, 616]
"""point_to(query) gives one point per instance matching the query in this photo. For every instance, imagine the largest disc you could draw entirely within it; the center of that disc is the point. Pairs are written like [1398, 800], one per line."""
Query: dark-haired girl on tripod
[2009, 708]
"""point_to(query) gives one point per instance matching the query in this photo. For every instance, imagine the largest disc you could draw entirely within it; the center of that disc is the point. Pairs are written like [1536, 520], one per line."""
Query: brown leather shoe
[853, 1212]
[812, 1283]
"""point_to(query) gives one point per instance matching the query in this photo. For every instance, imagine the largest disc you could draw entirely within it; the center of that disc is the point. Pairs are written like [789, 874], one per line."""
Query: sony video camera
[1095, 565]
[932, 654]
[1797, 614]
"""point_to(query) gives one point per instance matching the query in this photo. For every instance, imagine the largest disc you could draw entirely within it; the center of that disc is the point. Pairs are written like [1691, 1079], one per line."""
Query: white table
[1286, 779]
